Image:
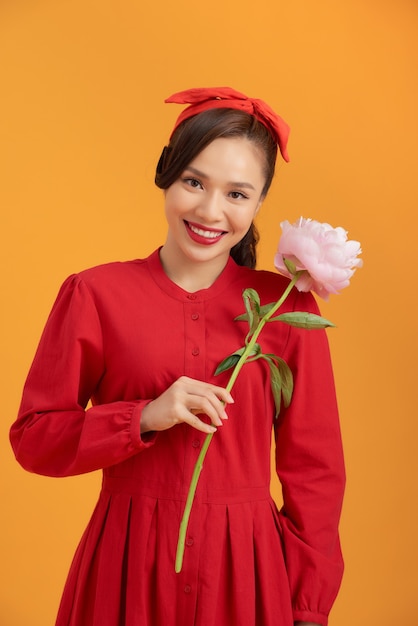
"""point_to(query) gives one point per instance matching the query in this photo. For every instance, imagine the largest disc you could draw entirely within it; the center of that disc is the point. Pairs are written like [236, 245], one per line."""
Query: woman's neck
[189, 274]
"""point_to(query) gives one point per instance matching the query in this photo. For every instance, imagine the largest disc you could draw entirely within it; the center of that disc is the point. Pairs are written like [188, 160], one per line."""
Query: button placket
[188, 578]
[194, 325]
[194, 316]
[195, 367]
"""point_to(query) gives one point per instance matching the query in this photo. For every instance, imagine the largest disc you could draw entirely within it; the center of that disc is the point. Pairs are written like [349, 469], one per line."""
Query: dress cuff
[146, 439]
[309, 616]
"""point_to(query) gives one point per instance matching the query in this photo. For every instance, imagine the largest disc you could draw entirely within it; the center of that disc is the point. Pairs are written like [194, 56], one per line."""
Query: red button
[195, 351]
[192, 296]
[196, 443]
[187, 589]
[195, 316]
[189, 542]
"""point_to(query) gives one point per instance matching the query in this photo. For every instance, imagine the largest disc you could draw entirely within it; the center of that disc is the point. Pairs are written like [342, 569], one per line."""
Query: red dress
[120, 334]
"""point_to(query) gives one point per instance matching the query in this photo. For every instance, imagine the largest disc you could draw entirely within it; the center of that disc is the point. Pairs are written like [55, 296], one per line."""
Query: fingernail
[212, 429]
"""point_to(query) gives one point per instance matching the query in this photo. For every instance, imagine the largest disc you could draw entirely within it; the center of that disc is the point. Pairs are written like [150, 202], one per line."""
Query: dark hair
[195, 134]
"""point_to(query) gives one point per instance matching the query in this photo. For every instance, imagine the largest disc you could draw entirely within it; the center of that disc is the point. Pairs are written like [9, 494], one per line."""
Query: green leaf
[255, 352]
[227, 363]
[301, 319]
[266, 308]
[252, 306]
[281, 380]
[287, 380]
[252, 295]
[290, 266]
[276, 385]
[262, 311]
[232, 359]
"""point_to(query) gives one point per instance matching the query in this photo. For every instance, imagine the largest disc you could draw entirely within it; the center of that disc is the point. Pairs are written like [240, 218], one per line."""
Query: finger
[211, 394]
[221, 393]
[201, 388]
[196, 423]
[207, 406]
[216, 420]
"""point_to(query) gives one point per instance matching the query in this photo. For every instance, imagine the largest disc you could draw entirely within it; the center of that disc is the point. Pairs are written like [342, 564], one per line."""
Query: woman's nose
[210, 206]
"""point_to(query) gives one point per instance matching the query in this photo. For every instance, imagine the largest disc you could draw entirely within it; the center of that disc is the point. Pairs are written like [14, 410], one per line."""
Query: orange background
[82, 123]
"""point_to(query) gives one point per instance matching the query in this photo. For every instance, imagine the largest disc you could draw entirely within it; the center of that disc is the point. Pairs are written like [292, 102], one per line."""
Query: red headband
[225, 97]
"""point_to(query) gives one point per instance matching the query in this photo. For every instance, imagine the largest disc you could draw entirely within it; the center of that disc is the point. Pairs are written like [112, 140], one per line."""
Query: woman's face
[211, 206]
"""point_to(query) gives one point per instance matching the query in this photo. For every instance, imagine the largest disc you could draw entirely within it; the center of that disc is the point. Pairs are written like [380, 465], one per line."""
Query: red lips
[201, 239]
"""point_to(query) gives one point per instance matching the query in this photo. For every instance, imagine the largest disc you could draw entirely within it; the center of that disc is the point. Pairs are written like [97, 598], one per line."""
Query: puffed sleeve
[310, 466]
[54, 434]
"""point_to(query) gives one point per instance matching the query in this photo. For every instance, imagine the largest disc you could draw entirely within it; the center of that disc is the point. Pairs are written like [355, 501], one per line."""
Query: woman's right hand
[183, 401]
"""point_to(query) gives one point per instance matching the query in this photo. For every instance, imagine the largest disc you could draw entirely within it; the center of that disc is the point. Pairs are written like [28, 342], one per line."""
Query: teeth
[208, 234]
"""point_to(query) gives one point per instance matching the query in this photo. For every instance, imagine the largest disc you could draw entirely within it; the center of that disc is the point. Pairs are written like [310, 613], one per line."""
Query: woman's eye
[237, 195]
[193, 182]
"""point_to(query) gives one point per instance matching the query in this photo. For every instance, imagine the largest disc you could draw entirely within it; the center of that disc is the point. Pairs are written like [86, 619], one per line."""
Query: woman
[142, 340]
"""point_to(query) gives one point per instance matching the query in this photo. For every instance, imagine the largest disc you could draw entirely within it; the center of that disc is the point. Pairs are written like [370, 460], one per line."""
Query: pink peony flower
[323, 251]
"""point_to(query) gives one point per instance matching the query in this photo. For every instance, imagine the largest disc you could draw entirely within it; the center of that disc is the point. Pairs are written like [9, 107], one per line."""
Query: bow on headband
[225, 97]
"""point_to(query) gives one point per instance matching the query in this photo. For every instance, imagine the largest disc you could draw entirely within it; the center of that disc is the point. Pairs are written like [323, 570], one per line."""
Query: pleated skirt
[233, 573]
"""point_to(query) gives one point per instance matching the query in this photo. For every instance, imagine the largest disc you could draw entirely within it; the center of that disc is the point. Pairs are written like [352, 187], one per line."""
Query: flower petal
[323, 251]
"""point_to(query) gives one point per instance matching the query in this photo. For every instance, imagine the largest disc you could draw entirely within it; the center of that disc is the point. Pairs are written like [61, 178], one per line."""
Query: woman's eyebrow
[197, 172]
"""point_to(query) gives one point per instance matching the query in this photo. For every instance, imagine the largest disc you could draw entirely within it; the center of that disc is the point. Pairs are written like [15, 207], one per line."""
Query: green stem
[199, 463]
[190, 497]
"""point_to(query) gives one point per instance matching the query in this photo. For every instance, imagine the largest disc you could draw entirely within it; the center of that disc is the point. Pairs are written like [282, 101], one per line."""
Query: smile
[202, 235]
